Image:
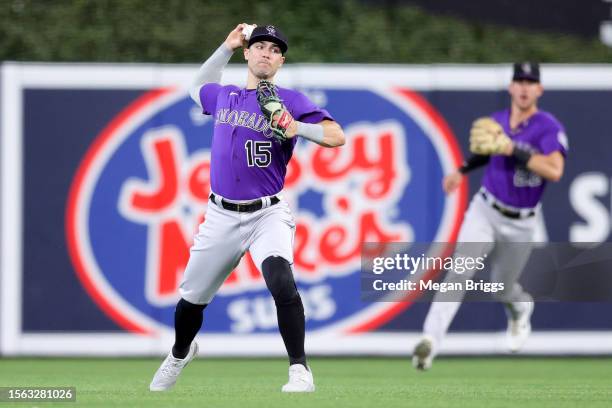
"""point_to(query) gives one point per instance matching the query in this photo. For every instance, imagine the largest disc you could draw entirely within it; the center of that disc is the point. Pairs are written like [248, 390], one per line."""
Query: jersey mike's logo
[142, 189]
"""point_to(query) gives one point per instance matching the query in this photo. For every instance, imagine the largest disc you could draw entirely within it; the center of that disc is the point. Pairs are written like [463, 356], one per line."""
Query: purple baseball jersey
[246, 161]
[518, 187]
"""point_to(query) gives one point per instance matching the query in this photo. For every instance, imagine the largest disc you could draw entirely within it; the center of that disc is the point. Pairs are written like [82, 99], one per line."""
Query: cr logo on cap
[527, 68]
[271, 30]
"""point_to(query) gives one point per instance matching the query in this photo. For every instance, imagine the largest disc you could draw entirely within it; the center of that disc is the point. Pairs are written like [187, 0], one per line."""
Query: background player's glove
[273, 109]
[488, 137]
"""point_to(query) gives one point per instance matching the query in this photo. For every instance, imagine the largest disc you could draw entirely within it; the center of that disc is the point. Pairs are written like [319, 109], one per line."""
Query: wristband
[521, 155]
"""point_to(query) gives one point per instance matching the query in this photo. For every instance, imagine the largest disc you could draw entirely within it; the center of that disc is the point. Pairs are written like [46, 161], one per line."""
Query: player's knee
[186, 306]
[279, 279]
[503, 296]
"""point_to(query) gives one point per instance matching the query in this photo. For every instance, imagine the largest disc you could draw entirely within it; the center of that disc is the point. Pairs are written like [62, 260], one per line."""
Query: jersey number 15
[258, 153]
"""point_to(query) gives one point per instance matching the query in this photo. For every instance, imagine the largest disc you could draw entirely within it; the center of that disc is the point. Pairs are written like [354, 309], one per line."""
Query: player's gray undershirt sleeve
[210, 71]
[310, 131]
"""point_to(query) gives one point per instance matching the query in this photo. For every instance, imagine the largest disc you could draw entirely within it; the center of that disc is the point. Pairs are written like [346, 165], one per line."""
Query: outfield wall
[104, 178]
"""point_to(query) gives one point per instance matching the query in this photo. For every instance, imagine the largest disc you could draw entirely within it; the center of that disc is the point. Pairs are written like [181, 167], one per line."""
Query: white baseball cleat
[422, 356]
[171, 368]
[300, 379]
[519, 329]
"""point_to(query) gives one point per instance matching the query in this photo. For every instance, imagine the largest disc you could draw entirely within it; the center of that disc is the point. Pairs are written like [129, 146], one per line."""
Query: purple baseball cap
[269, 33]
[529, 71]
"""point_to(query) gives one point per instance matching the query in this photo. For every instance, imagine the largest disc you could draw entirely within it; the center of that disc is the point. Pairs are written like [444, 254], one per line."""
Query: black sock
[291, 324]
[187, 322]
[289, 307]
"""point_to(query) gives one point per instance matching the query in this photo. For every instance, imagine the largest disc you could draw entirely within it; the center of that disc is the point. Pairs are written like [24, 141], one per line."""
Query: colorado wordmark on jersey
[256, 122]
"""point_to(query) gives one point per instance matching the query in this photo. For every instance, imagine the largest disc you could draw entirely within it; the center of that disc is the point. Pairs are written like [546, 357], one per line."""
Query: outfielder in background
[253, 140]
[523, 148]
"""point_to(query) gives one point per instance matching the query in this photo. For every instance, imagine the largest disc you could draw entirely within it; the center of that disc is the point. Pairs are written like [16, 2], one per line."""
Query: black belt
[506, 212]
[246, 207]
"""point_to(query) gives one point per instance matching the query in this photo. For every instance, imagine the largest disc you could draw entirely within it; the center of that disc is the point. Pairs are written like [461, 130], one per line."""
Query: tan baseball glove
[488, 137]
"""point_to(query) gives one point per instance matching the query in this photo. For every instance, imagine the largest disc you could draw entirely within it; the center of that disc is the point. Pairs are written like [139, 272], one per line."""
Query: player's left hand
[281, 122]
[284, 120]
[488, 137]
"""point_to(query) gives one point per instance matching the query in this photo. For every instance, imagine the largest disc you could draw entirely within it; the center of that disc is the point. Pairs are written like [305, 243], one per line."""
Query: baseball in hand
[247, 31]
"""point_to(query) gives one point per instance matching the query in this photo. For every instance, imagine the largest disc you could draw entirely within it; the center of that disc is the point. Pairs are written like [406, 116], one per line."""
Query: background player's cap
[269, 33]
[526, 70]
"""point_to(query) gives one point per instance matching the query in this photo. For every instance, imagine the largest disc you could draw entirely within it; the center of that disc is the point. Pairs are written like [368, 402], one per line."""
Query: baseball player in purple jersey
[529, 150]
[246, 210]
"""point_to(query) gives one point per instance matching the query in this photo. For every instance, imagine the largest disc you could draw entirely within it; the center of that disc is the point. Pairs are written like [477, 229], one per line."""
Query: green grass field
[366, 382]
